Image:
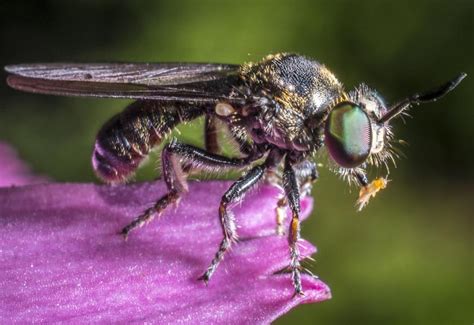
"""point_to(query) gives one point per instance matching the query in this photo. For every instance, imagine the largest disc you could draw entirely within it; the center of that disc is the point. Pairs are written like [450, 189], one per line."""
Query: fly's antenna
[419, 98]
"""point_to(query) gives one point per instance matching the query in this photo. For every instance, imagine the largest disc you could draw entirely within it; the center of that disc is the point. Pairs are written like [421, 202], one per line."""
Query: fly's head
[353, 133]
[357, 130]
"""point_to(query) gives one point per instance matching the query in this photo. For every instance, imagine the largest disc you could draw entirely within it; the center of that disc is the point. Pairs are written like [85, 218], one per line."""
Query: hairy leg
[233, 194]
[175, 155]
[290, 185]
[210, 135]
[280, 212]
[306, 174]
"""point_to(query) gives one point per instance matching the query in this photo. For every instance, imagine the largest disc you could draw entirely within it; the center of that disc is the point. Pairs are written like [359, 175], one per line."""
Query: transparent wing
[167, 81]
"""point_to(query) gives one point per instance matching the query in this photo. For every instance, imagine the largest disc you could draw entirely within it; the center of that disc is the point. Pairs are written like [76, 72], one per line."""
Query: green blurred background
[408, 257]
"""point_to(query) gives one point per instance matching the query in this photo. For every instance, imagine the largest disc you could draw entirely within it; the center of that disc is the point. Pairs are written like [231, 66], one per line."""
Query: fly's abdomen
[127, 138]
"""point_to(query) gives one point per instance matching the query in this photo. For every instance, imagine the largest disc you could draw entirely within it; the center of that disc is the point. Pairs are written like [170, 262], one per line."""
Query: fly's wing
[203, 82]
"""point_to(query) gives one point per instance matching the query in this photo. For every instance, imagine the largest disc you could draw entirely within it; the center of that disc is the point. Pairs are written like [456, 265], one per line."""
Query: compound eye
[348, 134]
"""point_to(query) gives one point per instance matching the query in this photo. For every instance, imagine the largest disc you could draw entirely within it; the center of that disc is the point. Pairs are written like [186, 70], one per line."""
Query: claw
[204, 278]
[124, 234]
[370, 191]
[176, 204]
[298, 294]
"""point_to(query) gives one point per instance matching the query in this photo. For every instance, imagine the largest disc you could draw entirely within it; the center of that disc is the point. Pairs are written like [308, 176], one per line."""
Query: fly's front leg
[233, 194]
[175, 155]
[307, 174]
[292, 192]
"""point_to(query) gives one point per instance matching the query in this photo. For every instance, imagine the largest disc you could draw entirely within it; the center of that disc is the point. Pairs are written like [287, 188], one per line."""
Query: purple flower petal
[62, 260]
[12, 170]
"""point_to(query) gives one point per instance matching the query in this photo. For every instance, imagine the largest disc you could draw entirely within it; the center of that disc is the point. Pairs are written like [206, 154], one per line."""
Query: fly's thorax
[295, 88]
[294, 81]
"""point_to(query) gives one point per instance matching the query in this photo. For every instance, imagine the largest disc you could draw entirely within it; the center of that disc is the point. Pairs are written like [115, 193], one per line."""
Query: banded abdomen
[127, 138]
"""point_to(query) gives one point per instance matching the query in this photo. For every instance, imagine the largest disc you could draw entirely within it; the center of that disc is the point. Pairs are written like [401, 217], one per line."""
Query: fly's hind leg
[171, 197]
[174, 156]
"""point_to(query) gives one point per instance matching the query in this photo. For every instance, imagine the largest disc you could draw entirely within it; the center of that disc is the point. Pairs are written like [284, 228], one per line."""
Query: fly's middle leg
[210, 135]
[233, 194]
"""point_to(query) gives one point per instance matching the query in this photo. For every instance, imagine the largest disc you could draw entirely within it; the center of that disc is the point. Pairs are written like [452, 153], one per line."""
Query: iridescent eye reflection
[348, 135]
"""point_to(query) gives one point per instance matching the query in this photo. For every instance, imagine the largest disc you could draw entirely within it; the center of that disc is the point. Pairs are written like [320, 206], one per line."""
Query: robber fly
[280, 111]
